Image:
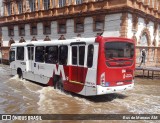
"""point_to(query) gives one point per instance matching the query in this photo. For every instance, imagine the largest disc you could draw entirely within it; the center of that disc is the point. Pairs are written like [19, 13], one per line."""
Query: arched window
[79, 2]
[9, 9]
[32, 5]
[144, 39]
[46, 4]
[20, 7]
[62, 3]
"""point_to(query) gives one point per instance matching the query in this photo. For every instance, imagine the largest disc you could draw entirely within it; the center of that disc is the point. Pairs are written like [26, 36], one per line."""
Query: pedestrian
[143, 57]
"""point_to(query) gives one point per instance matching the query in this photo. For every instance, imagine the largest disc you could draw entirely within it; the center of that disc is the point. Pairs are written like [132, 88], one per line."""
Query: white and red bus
[86, 66]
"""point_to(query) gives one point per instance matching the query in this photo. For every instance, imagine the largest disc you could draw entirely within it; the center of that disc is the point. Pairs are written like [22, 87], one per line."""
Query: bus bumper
[107, 90]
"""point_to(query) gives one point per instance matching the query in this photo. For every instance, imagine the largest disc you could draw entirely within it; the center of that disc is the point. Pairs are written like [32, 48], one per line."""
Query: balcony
[87, 8]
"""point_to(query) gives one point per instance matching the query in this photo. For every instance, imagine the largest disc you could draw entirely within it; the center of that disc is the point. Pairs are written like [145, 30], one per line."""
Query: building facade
[137, 19]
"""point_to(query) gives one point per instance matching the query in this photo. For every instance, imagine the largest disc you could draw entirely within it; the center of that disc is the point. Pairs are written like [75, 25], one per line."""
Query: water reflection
[22, 96]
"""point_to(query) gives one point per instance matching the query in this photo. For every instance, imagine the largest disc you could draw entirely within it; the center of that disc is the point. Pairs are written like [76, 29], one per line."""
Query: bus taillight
[102, 79]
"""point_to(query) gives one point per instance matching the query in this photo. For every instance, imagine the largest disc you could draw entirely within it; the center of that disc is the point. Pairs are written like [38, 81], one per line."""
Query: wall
[152, 51]
[111, 28]
[112, 25]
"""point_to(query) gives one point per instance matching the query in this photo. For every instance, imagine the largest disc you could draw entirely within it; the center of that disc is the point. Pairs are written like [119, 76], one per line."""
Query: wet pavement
[25, 97]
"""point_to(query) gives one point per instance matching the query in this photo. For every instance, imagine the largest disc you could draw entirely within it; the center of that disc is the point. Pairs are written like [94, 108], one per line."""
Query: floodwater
[24, 97]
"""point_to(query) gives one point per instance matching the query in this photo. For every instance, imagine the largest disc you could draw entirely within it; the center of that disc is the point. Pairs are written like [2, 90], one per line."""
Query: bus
[86, 66]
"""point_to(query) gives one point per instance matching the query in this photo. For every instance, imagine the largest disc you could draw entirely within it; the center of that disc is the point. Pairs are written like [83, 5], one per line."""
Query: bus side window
[20, 53]
[51, 55]
[74, 55]
[39, 55]
[63, 54]
[12, 56]
[81, 55]
[90, 55]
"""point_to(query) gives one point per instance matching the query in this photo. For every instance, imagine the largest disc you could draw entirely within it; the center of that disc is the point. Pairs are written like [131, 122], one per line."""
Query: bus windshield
[119, 50]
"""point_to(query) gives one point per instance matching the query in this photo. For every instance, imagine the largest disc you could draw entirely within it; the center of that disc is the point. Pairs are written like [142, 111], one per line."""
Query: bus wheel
[20, 74]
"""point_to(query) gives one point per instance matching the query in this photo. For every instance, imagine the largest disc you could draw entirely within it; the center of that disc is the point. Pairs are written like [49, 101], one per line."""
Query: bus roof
[55, 42]
[69, 41]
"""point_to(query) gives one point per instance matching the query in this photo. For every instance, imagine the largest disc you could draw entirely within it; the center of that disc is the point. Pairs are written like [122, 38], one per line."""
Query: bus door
[77, 73]
[30, 62]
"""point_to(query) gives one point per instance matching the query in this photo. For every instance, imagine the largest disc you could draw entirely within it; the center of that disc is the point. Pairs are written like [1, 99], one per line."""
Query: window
[62, 3]
[10, 31]
[39, 55]
[63, 54]
[47, 29]
[30, 53]
[79, 1]
[32, 5]
[33, 30]
[79, 27]
[20, 7]
[46, 4]
[81, 55]
[99, 25]
[144, 39]
[90, 55]
[20, 53]
[9, 9]
[21, 31]
[74, 55]
[62, 28]
[12, 56]
[119, 50]
[51, 54]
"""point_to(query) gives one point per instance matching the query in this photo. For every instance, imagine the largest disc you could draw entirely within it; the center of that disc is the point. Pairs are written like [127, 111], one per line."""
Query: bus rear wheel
[20, 74]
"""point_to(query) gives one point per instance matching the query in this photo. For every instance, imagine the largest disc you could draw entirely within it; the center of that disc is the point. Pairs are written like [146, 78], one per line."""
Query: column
[16, 7]
[24, 5]
[12, 9]
[73, 2]
[27, 6]
[146, 2]
[41, 4]
[151, 3]
[67, 3]
[155, 4]
[56, 4]
[36, 5]
[51, 4]
[5, 10]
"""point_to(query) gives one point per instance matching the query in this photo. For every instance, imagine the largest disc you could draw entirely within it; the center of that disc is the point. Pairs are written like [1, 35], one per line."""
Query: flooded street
[24, 97]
